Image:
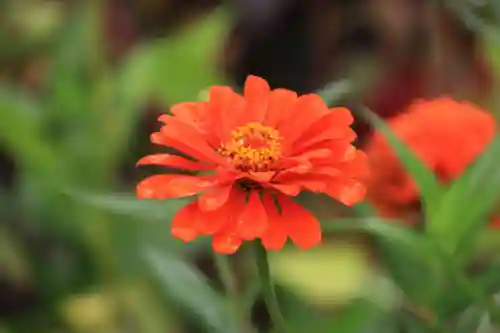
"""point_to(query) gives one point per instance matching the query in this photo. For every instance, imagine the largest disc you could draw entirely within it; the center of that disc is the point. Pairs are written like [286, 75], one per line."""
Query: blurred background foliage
[81, 85]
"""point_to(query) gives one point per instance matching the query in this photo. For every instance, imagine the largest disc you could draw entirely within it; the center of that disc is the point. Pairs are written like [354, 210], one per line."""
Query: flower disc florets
[253, 147]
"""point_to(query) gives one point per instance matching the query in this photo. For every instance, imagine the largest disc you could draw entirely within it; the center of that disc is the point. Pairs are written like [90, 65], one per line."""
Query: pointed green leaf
[335, 91]
[129, 205]
[190, 290]
[469, 202]
[405, 252]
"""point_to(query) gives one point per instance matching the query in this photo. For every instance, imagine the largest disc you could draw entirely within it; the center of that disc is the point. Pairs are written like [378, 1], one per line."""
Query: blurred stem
[226, 274]
[268, 291]
[228, 280]
[476, 293]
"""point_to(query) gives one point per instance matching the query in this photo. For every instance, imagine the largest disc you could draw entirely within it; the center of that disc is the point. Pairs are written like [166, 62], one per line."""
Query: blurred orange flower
[445, 134]
[254, 152]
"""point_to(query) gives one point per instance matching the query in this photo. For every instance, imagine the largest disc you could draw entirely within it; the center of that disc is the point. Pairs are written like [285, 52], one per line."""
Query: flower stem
[469, 287]
[228, 280]
[268, 291]
[226, 274]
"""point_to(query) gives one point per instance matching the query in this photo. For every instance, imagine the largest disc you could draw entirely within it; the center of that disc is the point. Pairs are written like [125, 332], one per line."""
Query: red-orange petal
[190, 138]
[189, 112]
[343, 116]
[196, 115]
[223, 220]
[221, 107]
[164, 140]
[291, 190]
[256, 89]
[209, 223]
[302, 227]
[305, 158]
[184, 222]
[215, 198]
[308, 109]
[347, 191]
[261, 177]
[256, 93]
[275, 236]
[311, 182]
[253, 220]
[280, 104]
[226, 243]
[341, 151]
[173, 186]
[358, 167]
[329, 127]
[312, 185]
[173, 161]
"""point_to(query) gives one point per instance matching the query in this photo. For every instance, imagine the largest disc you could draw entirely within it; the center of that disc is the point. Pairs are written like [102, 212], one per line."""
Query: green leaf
[70, 78]
[483, 18]
[424, 177]
[359, 315]
[189, 289]
[405, 266]
[406, 255]
[335, 91]
[405, 252]
[475, 319]
[129, 205]
[490, 279]
[152, 67]
[460, 215]
[21, 133]
[389, 229]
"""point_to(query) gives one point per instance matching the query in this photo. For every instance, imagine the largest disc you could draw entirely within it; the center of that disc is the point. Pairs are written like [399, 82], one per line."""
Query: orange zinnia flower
[255, 152]
[445, 134]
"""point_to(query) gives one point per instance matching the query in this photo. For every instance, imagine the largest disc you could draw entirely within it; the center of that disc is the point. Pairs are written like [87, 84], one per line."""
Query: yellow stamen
[253, 147]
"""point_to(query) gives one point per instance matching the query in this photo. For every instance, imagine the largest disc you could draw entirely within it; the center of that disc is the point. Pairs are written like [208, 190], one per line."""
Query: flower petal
[178, 130]
[226, 243]
[346, 134]
[347, 191]
[220, 107]
[215, 198]
[193, 138]
[313, 185]
[195, 115]
[160, 138]
[173, 161]
[308, 109]
[357, 167]
[192, 113]
[184, 222]
[256, 89]
[173, 186]
[256, 94]
[302, 227]
[312, 182]
[261, 177]
[226, 108]
[223, 219]
[291, 190]
[340, 151]
[275, 236]
[253, 220]
[281, 103]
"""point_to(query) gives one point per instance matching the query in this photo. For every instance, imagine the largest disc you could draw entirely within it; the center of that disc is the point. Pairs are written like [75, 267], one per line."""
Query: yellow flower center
[253, 147]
